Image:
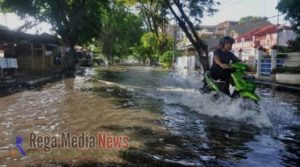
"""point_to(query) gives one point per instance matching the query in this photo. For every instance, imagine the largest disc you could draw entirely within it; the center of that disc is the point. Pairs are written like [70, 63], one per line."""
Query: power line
[232, 4]
[274, 16]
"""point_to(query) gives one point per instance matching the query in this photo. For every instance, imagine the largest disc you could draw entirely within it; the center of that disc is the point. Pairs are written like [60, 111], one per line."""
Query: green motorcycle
[240, 85]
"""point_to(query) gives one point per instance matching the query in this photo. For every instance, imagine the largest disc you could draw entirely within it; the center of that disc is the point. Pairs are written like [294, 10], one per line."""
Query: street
[167, 120]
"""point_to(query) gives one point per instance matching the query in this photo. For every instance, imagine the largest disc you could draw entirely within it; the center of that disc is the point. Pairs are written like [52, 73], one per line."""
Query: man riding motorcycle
[221, 60]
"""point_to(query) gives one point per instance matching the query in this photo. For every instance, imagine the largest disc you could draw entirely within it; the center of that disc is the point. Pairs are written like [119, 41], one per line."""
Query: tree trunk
[192, 35]
[70, 58]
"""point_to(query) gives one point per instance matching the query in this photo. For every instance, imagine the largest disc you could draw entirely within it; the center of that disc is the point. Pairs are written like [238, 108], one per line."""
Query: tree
[149, 46]
[75, 21]
[167, 59]
[188, 14]
[184, 12]
[292, 10]
[120, 31]
[153, 48]
[250, 18]
[154, 15]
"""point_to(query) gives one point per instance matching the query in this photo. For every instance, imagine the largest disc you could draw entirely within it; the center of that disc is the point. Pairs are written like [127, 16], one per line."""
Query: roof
[185, 47]
[14, 36]
[229, 21]
[212, 44]
[262, 31]
[249, 26]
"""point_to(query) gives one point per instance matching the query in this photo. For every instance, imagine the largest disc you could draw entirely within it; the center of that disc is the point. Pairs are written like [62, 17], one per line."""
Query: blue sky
[228, 10]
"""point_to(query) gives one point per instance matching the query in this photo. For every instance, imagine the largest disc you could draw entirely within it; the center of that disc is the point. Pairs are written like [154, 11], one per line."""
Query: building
[188, 59]
[264, 37]
[242, 28]
[224, 27]
[172, 29]
[206, 31]
[210, 35]
[27, 53]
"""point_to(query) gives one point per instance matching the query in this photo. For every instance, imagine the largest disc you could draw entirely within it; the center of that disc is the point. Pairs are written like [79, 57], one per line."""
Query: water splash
[183, 90]
[215, 105]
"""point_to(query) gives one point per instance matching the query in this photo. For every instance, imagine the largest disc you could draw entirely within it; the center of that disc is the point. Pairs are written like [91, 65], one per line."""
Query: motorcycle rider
[221, 60]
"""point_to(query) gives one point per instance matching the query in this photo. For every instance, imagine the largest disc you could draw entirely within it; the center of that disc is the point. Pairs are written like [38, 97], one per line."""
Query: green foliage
[149, 41]
[76, 21]
[250, 18]
[292, 10]
[282, 55]
[154, 14]
[184, 12]
[194, 9]
[294, 45]
[167, 59]
[112, 30]
[282, 49]
[152, 47]
[120, 31]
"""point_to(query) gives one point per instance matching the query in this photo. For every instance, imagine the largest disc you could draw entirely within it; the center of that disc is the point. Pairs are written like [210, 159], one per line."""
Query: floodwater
[169, 122]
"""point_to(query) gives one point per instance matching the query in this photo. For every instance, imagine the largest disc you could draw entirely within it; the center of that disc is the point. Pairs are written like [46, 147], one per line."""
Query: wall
[292, 60]
[186, 62]
[34, 62]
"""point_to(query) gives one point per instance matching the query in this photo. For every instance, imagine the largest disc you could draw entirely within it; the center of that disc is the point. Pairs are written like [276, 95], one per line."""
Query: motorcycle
[239, 86]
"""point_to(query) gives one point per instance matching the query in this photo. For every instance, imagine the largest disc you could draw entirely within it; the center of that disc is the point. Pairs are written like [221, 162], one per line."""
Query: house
[264, 37]
[210, 35]
[34, 54]
[206, 31]
[224, 27]
[188, 59]
[242, 28]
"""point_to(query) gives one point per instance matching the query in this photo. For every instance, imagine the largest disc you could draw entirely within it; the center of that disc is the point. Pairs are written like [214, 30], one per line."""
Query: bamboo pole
[32, 57]
[43, 58]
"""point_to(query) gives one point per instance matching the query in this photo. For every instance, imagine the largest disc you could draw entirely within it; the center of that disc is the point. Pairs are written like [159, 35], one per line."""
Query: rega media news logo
[83, 141]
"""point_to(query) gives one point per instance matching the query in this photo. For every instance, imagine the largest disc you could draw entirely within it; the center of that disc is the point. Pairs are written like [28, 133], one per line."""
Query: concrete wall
[293, 79]
[292, 60]
[186, 62]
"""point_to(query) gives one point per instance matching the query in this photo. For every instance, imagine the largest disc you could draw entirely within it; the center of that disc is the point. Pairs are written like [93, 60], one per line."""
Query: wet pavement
[169, 122]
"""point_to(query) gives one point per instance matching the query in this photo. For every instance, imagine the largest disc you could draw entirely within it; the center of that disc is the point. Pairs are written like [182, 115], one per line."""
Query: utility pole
[273, 56]
[277, 29]
[174, 42]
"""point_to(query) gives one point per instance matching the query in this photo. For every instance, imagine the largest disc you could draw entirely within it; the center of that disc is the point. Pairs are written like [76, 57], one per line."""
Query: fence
[266, 65]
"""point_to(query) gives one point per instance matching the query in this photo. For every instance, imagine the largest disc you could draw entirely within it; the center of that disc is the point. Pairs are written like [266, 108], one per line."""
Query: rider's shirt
[225, 57]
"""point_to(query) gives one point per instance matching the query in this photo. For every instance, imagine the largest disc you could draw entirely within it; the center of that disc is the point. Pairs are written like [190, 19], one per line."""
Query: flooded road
[168, 120]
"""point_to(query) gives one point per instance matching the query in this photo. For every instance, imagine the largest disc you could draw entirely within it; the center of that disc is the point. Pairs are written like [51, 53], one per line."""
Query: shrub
[294, 45]
[166, 59]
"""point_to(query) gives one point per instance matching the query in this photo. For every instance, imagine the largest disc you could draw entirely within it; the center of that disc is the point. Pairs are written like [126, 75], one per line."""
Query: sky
[228, 10]
[235, 9]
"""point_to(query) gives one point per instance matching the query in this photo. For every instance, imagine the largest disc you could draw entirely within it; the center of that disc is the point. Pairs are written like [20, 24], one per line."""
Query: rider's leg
[226, 78]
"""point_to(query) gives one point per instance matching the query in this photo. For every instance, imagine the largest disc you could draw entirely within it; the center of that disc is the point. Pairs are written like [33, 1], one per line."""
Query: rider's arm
[217, 60]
